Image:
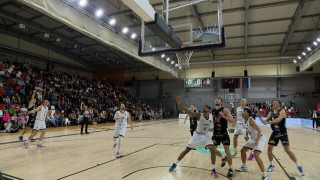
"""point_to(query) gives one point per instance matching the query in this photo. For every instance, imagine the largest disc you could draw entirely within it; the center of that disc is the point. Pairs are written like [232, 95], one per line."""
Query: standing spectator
[5, 117]
[86, 117]
[315, 118]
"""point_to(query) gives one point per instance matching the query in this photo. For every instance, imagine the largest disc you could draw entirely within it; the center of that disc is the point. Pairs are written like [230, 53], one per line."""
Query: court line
[92, 167]
[290, 177]
[167, 167]
[4, 175]
[10, 142]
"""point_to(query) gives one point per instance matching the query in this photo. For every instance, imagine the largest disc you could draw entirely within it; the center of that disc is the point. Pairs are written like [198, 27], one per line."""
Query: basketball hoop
[183, 58]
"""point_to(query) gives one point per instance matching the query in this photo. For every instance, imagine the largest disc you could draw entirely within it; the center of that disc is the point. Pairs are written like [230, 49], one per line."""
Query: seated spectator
[10, 93]
[11, 110]
[6, 99]
[16, 99]
[57, 119]
[1, 84]
[5, 117]
[103, 116]
[22, 120]
[7, 127]
[73, 118]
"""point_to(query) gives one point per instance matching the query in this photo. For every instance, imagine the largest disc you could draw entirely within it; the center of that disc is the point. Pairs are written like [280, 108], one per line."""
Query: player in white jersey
[40, 123]
[201, 135]
[256, 142]
[121, 117]
[240, 128]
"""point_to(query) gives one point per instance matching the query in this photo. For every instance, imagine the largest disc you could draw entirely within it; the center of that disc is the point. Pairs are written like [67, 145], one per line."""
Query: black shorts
[223, 138]
[193, 127]
[276, 136]
[30, 123]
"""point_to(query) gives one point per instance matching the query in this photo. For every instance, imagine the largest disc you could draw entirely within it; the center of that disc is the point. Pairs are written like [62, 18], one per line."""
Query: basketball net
[183, 58]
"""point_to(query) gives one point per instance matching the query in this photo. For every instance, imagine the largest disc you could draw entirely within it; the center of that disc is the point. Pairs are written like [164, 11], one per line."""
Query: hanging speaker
[297, 68]
[245, 73]
[133, 79]
[157, 78]
[212, 74]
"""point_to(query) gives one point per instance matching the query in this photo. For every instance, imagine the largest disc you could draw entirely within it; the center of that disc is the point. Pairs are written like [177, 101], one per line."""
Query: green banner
[193, 82]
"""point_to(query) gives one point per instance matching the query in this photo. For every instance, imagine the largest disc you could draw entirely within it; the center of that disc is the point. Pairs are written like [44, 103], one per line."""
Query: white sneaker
[242, 169]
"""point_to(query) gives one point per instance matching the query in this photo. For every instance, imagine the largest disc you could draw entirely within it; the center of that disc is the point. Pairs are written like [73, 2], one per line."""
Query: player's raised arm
[192, 114]
[35, 110]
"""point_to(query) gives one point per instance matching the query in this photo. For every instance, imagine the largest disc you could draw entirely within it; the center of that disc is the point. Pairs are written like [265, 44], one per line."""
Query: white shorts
[119, 130]
[39, 125]
[198, 140]
[240, 130]
[250, 144]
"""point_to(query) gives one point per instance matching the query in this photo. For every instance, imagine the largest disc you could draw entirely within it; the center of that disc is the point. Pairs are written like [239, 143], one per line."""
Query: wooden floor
[148, 152]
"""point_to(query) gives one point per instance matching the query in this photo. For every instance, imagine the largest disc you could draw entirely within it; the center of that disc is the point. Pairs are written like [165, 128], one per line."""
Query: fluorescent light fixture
[112, 22]
[99, 12]
[58, 39]
[308, 48]
[153, 49]
[315, 43]
[176, 65]
[299, 57]
[172, 62]
[163, 55]
[82, 3]
[133, 36]
[168, 59]
[303, 53]
[46, 35]
[318, 39]
[295, 61]
[22, 26]
[180, 67]
[125, 30]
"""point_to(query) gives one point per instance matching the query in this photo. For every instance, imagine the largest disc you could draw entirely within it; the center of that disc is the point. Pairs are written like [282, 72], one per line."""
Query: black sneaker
[33, 140]
[87, 133]
[230, 173]
[224, 160]
[20, 138]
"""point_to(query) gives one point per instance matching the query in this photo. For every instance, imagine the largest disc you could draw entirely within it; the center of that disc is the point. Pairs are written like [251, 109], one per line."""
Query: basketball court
[148, 152]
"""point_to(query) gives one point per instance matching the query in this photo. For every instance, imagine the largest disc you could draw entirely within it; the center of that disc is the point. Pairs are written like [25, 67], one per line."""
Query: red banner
[318, 107]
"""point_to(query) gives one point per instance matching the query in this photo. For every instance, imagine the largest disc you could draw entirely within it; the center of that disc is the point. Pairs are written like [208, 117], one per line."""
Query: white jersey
[252, 132]
[42, 114]
[204, 124]
[122, 122]
[240, 119]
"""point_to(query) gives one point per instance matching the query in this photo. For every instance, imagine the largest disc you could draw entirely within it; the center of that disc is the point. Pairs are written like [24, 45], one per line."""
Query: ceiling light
[22, 26]
[46, 35]
[318, 39]
[99, 13]
[168, 59]
[82, 3]
[315, 43]
[299, 57]
[308, 48]
[153, 49]
[58, 39]
[176, 65]
[303, 53]
[112, 22]
[125, 30]
[133, 36]
[295, 61]
[162, 56]
[180, 67]
[172, 62]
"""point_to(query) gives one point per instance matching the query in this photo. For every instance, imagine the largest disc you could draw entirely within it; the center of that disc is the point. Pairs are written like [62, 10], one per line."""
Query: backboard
[186, 25]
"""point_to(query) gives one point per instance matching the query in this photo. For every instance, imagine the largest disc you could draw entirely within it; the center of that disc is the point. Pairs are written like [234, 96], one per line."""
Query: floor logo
[206, 151]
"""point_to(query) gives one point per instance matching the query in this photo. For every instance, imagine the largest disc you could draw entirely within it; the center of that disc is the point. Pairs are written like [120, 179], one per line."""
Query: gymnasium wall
[163, 92]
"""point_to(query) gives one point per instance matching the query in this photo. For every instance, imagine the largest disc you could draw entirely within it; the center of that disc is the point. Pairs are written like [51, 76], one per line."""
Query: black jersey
[193, 121]
[33, 115]
[279, 127]
[220, 127]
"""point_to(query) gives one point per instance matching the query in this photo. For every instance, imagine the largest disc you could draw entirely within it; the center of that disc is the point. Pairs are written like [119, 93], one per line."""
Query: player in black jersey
[277, 119]
[220, 131]
[193, 120]
[31, 117]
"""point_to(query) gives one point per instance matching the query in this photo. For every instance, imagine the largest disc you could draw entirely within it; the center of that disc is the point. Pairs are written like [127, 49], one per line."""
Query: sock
[244, 165]
[39, 142]
[298, 163]
[177, 161]
[271, 163]
[119, 145]
[223, 156]
[213, 166]
[230, 166]
[27, 141]
[264, 174]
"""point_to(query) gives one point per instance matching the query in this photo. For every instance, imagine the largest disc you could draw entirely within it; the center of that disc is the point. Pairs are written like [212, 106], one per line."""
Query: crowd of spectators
[265, 107]
[65, 92]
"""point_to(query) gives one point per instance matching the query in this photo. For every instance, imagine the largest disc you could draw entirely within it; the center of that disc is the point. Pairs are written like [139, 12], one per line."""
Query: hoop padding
[184, 58]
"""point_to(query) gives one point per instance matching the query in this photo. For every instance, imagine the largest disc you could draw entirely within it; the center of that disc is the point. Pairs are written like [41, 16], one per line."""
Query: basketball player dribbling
[277, 119]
